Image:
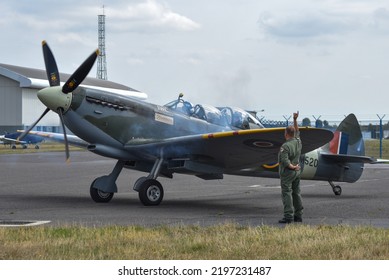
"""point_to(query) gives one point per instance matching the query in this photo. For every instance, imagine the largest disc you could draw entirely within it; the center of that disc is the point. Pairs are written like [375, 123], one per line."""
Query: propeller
[79, 75]
[51, 66]
[60, 113]
[56, 98]
[21, 136]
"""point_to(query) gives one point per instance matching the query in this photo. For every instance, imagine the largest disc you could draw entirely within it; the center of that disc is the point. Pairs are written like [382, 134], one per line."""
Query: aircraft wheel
[36, 147]
[150, 192]
[337, 190]
[139, 182]
[100, 196]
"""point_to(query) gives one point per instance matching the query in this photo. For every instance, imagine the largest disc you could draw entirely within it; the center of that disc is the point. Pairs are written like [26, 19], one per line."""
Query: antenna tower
[101, 59]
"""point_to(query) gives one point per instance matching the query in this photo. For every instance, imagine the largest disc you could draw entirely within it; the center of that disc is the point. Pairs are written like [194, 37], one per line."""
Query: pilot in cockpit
[181, 105]
[239, 121]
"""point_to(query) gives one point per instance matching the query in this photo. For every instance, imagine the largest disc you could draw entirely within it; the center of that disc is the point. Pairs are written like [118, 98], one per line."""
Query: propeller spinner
[55, 97]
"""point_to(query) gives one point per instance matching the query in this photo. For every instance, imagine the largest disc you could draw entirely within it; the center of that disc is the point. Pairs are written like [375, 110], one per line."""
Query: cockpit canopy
[239, 118]
[232, 117]
[210, 114]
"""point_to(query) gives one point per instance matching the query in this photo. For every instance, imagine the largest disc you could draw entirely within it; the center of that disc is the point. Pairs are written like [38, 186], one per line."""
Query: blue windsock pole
[381, 132]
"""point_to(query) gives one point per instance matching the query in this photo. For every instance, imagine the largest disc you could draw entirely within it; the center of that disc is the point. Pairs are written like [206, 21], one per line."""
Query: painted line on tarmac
[264, 187]
[20, 223]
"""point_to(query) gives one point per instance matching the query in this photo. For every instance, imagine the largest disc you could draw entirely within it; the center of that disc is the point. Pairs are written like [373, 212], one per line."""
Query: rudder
[347, 139]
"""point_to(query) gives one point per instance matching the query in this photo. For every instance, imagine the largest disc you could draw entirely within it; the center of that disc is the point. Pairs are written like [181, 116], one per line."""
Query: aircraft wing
[215, 152]
[72, 139]
[11, 140]
[227, 150]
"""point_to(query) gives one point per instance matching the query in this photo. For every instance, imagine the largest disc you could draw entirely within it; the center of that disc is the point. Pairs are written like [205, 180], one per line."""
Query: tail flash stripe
[339, 144]
[343, 146]
[334, 144]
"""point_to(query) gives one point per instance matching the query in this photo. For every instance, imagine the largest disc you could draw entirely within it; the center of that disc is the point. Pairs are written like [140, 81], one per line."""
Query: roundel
[261, 144]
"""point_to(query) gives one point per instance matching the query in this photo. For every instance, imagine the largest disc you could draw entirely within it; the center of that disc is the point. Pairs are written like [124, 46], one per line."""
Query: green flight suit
[290, 179]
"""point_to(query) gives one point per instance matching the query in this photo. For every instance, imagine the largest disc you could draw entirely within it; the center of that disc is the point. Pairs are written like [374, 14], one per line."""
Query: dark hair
[289, 130]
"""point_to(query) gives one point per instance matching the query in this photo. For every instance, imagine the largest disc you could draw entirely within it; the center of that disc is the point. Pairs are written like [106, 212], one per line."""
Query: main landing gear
[150, 190]
[335, 188]
[103, 188]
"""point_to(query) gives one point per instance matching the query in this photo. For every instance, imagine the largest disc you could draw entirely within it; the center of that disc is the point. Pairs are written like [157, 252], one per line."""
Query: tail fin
[347, 139]
[347, 150]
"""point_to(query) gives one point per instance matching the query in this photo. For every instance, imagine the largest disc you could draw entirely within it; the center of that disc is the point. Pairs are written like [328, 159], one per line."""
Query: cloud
[136, 16]
[380, 20]
[328, 20]
[134, 61]
[230, 86]
[304, 25]
[149, 15]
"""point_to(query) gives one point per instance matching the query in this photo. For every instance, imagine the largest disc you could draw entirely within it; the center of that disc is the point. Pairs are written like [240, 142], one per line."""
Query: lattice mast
[101, 59]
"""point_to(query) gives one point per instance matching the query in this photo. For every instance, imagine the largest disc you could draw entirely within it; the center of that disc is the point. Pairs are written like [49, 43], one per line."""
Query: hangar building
[20, 106]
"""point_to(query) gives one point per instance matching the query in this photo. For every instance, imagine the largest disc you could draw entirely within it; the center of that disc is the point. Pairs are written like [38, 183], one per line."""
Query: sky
[321, 57]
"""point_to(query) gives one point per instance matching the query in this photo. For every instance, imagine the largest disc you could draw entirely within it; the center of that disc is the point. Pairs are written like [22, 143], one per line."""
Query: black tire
[100, 196]
[138, 183]
[337, 190]
[151, 192]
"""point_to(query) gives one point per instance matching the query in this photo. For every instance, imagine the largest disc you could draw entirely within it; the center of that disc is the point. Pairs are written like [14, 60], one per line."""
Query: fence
[373, 127]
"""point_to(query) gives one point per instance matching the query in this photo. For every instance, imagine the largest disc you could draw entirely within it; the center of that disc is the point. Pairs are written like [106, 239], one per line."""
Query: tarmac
[41, 188]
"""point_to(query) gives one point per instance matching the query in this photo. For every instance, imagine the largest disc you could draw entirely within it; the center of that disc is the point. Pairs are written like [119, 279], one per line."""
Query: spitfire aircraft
[11, 139]
[199, 140]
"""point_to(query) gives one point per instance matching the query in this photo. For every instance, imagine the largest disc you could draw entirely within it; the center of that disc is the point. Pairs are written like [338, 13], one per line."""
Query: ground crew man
[289, 170]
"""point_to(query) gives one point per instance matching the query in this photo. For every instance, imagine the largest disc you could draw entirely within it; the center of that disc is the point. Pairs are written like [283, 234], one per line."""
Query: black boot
[298, 219]
[285, 221]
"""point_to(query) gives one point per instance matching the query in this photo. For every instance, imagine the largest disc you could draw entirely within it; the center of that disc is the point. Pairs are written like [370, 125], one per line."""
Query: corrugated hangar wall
[32, 109]
[10, 105]
[20, 107]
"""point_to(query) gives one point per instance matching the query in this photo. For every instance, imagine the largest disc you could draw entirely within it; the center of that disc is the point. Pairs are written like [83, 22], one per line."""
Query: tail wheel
[150, 192]
[337, 190]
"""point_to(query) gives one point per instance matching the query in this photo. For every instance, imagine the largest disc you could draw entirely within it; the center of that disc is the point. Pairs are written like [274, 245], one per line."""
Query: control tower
[101, 59]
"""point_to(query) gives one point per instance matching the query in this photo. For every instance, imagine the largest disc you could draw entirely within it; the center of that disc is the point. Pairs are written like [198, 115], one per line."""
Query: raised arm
[295, 124]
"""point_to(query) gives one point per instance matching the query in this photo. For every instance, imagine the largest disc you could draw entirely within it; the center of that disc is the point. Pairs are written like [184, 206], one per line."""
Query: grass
[372, 148]
[225, 242]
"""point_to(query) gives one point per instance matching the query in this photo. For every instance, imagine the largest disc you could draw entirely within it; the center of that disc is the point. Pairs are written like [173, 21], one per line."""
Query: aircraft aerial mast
[101, 59]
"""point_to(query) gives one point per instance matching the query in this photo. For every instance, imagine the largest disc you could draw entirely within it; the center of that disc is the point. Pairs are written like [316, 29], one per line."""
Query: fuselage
[113, 119]
[313, 167]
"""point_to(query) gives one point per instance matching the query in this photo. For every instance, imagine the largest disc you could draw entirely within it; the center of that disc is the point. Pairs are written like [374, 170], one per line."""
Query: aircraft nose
[54, 98]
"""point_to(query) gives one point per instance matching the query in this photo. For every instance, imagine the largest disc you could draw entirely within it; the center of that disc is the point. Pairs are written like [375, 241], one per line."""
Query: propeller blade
[51, 65]
[21, 136]
[60, 113]
[79, 75]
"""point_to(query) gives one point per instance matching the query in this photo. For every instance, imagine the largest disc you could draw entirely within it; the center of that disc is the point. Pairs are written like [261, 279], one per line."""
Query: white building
[20, 106]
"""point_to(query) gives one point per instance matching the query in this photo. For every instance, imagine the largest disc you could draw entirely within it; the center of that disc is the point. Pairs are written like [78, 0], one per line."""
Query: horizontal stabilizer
[379, 160]
[349, 158]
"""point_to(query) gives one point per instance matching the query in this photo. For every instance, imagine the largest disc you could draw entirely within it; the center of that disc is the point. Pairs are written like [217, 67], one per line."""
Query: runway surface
[42, 187]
